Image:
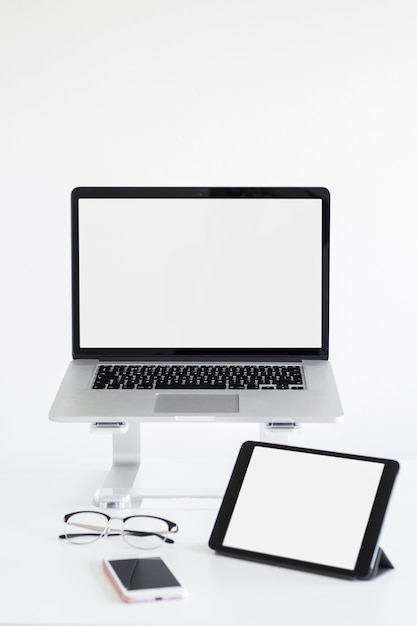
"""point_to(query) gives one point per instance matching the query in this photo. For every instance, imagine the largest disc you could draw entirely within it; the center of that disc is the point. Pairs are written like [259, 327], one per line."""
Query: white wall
[212, 92]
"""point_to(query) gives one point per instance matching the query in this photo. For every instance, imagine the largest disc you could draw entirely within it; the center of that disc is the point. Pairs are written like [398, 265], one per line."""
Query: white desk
[47, 581]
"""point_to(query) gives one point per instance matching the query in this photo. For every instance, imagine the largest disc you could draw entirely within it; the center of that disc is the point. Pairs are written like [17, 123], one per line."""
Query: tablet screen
[302, 506]
[305, 506]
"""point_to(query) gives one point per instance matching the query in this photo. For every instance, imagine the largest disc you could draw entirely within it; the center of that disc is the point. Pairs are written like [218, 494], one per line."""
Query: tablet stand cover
[308, 509]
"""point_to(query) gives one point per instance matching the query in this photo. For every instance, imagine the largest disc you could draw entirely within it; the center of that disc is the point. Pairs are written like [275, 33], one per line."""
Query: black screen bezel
[368, 547]
[201, 353]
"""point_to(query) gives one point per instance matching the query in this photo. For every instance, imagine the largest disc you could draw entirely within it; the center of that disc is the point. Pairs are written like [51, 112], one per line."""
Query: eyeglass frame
[172, 527]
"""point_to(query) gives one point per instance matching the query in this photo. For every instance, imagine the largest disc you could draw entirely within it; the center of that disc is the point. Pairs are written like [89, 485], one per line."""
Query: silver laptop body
[174, 288]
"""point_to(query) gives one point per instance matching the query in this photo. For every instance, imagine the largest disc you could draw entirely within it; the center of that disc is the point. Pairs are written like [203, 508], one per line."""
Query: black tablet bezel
[201, 353]
[369, 547]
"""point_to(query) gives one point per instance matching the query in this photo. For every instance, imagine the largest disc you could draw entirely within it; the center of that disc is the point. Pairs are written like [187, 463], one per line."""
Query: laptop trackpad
[196, 403]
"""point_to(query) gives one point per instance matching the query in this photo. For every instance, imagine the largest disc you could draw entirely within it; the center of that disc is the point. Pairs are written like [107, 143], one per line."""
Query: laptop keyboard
[198, 377]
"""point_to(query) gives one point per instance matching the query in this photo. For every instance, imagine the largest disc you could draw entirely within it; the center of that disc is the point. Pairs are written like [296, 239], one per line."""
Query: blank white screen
[209, 273]
[304, 506]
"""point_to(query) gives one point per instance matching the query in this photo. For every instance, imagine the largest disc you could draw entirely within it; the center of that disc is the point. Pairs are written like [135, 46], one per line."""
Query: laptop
[199, 304]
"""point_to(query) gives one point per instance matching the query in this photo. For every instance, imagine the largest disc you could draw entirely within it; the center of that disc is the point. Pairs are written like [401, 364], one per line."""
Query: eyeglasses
[139, 531]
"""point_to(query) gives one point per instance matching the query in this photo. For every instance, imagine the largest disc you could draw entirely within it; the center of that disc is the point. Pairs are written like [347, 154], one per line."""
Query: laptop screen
[213, 271]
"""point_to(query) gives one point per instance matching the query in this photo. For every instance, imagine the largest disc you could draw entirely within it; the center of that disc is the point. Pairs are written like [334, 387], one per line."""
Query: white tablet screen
[304, 506]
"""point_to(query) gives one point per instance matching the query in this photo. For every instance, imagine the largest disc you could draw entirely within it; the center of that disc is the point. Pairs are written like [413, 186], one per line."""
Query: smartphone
[143, 579]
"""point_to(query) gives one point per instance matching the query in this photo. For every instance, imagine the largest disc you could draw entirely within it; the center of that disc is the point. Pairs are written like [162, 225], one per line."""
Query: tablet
[307, 509]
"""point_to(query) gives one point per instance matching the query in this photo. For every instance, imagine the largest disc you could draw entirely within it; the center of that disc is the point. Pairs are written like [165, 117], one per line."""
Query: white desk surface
[47, 581]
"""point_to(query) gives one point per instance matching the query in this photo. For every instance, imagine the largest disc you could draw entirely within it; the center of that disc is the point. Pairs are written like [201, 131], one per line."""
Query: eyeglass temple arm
[164, 539]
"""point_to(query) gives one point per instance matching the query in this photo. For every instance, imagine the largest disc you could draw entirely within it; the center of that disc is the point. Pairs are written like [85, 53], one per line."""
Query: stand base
[117, 498]
[153, 498]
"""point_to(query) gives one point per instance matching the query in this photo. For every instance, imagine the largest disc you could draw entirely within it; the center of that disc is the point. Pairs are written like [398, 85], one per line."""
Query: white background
[216, 92]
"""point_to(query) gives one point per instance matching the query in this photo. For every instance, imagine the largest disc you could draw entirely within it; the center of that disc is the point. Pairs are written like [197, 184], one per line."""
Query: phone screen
[148, 573]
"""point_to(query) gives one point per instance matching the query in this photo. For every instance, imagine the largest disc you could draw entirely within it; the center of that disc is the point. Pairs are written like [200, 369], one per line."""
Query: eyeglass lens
[145, 532]
[85, 527]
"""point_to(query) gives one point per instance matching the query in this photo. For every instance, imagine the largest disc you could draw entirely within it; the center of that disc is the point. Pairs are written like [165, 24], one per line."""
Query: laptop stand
[118, 491]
